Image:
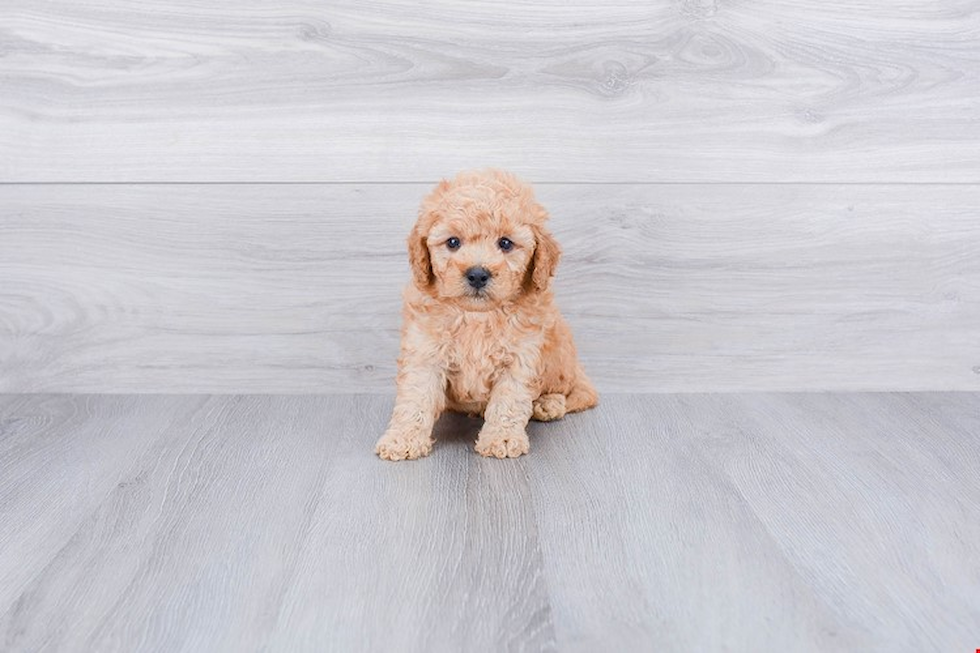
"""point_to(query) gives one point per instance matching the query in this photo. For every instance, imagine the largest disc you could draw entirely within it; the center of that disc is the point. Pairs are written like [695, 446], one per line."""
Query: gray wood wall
[200, 196]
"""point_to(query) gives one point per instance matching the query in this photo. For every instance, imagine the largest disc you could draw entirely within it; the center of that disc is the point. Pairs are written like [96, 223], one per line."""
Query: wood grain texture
[87, 446]
[741, 522]
[439, 557]
[296, 288]
[268, 523]
[687, 90]
[763, 522]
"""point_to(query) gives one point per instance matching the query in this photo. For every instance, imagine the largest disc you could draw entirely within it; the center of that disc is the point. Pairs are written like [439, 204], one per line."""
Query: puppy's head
[480, 241]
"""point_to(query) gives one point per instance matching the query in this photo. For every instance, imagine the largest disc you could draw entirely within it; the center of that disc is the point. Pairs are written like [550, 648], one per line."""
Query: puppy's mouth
[479, 299]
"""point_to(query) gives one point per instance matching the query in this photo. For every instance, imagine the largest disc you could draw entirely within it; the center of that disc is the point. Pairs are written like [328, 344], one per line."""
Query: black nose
[478, 277]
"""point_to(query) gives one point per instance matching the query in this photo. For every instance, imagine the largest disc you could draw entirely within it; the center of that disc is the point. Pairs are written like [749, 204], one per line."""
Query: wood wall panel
[689, 90]
[296, 288]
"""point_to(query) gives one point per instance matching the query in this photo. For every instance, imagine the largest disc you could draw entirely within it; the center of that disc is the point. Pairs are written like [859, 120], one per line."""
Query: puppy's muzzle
[477, 277]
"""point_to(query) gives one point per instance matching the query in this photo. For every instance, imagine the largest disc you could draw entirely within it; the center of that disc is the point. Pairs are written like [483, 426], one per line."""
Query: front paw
[502, 444]
[400, 446]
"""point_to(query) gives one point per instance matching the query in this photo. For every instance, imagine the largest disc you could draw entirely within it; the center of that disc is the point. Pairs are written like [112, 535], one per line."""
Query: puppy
[481, 333]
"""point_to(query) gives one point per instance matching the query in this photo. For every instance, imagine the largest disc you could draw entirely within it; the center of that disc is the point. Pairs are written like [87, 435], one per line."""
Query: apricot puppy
[481, 333]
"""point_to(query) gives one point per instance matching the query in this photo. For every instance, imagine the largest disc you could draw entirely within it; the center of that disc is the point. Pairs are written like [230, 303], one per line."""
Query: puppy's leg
[549, 407]
[504, 432]
[583, 395]
[420, 400]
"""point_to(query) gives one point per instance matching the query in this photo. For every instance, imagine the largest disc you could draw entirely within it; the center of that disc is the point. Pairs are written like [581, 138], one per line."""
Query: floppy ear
[545, 258]
[418, 250]
[418, 257]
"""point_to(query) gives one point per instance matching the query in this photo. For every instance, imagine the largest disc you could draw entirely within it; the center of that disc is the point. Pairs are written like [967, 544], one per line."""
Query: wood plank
[438, 555]
[60, 458]
[268, 523]
[745, 522]
[296, 289]
[697, 90]
[889, 471]
[647, 547]
[761, 523]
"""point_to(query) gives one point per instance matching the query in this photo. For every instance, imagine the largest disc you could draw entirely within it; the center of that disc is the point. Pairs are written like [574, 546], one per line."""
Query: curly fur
[505, 353]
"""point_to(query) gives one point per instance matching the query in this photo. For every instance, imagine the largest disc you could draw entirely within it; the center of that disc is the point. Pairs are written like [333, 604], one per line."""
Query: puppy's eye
[453, 243]
[505, 244]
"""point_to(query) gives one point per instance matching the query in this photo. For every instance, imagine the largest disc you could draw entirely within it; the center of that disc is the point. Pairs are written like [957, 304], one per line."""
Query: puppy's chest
[477, 352]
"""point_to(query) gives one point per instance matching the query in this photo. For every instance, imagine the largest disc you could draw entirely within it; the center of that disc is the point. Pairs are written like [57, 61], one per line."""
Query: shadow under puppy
[481, 332]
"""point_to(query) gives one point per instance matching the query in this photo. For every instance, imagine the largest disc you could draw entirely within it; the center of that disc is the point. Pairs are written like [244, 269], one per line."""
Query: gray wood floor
[743, 522]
